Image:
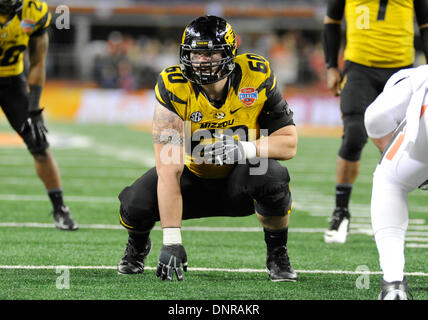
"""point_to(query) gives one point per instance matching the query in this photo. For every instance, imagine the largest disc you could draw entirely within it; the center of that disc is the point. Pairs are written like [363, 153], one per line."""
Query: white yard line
[51, 225]
[420, 235]
[417, 239]
[416, 245]
[184, 228]
[368, 226]
[127, 154]
[367, 220]
[16, 197]
[202, 269]
[65, 140]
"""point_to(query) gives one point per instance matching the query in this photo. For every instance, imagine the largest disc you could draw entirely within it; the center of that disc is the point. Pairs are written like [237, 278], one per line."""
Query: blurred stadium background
[104, 65]
[101, 71]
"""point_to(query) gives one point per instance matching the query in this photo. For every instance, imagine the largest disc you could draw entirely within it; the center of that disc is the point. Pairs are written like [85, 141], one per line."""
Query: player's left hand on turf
[226, 151]
[171, 260]
[35, 126]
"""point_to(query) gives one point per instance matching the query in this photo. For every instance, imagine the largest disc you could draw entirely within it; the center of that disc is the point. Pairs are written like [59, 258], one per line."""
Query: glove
[229, 150]
[170, 260]
[35, 128]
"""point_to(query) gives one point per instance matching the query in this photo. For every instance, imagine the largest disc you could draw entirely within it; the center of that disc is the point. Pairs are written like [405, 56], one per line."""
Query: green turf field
[226, 255]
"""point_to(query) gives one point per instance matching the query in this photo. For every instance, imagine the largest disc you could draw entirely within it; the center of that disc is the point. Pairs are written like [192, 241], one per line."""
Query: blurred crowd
[137, 2]
[123, 61]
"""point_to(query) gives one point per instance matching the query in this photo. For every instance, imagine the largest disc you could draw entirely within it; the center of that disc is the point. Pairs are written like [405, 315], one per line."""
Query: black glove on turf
[171, 258]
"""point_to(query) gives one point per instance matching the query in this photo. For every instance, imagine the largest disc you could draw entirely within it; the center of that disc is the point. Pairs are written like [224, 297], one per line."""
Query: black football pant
[240, 194]
[14, 100]
[361, 86]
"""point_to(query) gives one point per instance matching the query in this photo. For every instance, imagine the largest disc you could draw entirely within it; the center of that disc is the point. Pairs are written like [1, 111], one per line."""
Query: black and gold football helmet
[208, 34]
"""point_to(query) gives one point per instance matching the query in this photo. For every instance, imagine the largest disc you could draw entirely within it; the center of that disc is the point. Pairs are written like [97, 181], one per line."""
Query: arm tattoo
[167, 127]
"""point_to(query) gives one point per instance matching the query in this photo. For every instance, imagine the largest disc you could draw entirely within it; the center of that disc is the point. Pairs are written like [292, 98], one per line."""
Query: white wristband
[171, 236]
[250, 149]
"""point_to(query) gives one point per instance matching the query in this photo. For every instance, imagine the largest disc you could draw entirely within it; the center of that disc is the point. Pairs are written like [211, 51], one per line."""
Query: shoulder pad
[254, 64]
[173, 75]
[35, 16]
[172, 88]
[174, 81]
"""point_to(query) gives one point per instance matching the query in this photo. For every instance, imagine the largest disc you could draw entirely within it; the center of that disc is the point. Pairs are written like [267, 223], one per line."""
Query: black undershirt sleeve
[275, 113]
[421, 12]
[331, 37]
[335, 9]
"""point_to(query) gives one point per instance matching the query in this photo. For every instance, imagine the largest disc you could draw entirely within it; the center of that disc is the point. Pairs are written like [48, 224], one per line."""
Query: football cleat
[278, 265]
[133, 261]
[424, 186]
[63, 219]
[339, 226]
[396, 290]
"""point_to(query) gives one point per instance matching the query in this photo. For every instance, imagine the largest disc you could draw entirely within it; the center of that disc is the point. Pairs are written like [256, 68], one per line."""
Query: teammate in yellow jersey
[219, 128]
[379, 42]
[23, 23]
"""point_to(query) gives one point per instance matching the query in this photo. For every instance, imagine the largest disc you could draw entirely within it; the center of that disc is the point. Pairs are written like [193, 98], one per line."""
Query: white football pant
[399, 172]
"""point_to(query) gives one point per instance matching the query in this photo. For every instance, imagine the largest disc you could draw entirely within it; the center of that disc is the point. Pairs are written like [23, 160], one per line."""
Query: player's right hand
[334, 78]
[171, 258]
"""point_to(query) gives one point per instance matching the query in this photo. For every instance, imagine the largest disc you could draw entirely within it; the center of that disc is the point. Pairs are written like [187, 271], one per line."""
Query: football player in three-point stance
[219, 129]
[397, 123]
[380, 41]
[23, 23]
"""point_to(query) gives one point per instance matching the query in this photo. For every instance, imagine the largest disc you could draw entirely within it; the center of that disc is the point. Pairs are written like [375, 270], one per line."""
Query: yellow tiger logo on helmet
[184, 34]
[230, 38]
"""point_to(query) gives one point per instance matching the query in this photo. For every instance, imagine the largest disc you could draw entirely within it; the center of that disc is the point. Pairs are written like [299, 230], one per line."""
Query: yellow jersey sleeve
[172, 90]
[274, 112]
[35, 17]
[32, 20]
[380, 33]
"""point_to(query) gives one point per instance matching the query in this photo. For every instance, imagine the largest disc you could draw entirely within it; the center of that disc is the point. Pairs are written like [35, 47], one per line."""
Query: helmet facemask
[206, 72]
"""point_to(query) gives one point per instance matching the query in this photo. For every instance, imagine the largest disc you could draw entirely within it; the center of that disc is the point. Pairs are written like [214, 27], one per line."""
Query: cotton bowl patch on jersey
[248, 96]
[28, 25]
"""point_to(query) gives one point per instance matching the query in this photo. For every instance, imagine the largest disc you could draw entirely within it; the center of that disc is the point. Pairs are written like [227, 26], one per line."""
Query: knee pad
[354, 137]
[133, 219]
[138, 207]
[34, 147]
[272, 193]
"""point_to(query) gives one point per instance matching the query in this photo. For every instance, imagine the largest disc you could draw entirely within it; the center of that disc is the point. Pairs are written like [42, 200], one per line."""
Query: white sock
[390, 244]
[390, 218]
